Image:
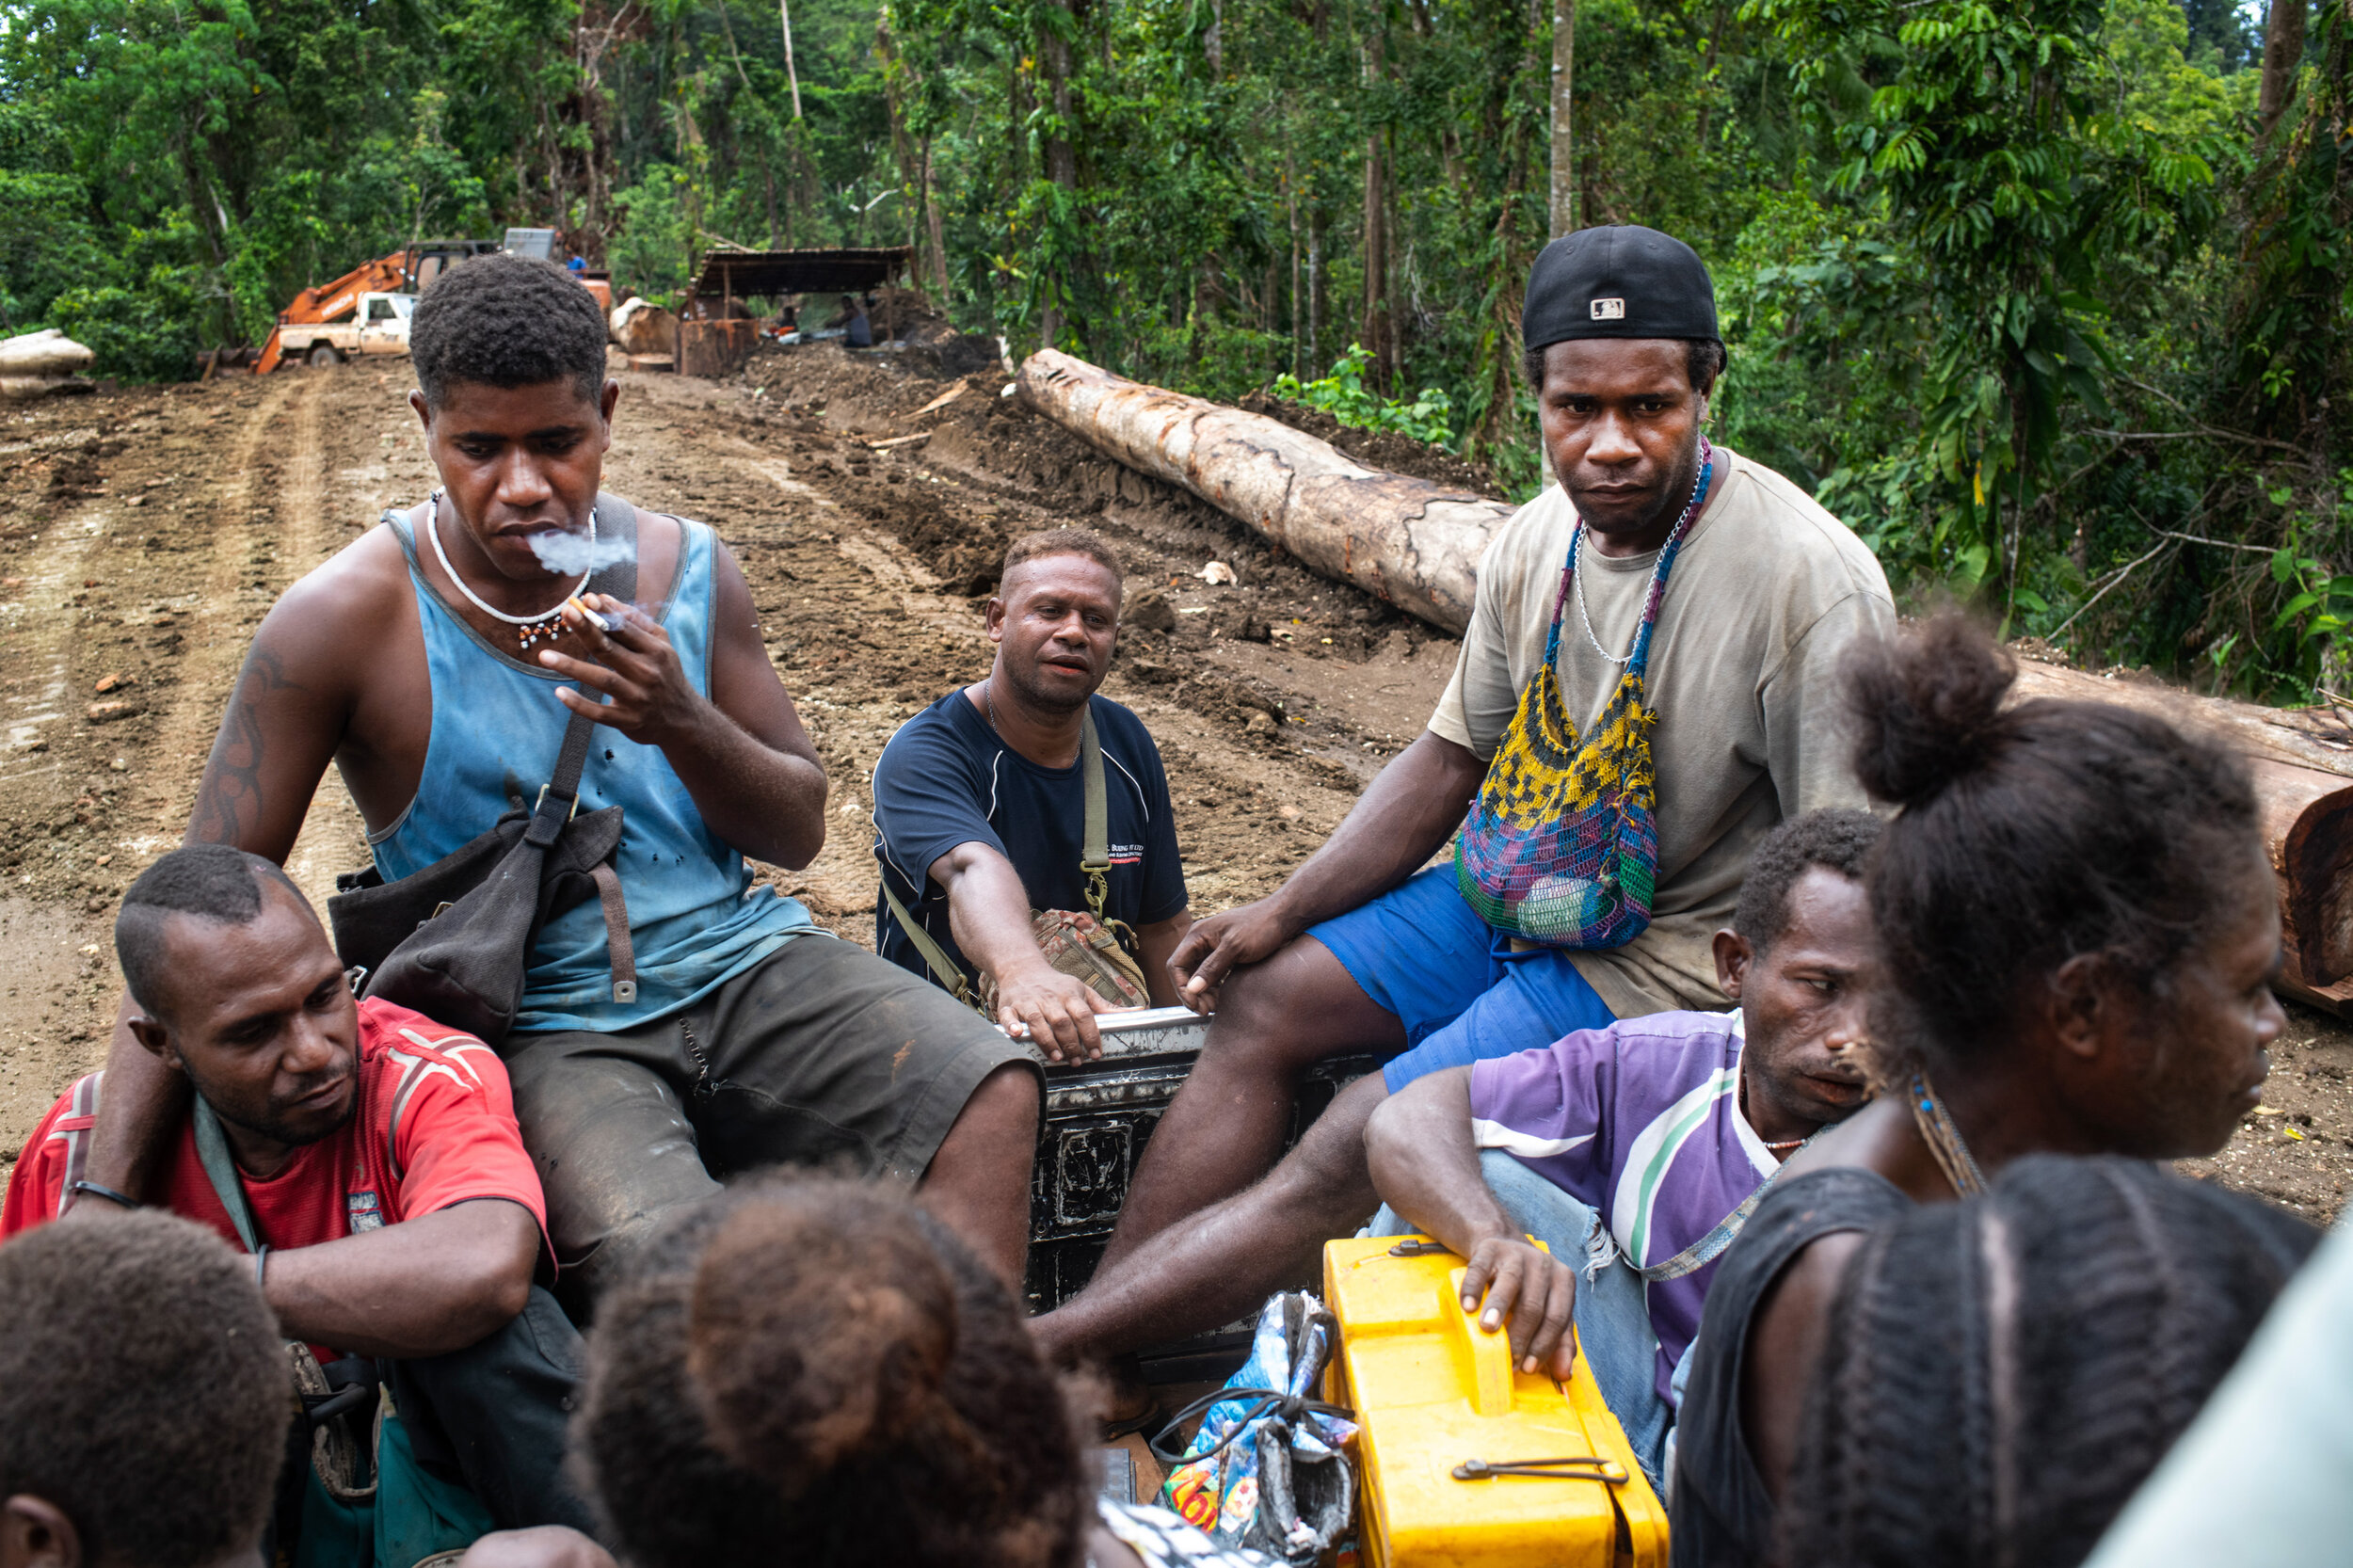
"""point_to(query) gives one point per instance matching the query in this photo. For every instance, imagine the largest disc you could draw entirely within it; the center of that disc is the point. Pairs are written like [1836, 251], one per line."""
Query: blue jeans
[1457, 984]
[1612, 1317]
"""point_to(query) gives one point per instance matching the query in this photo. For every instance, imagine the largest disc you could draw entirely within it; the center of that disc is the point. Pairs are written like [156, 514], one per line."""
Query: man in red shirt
[366, 1157]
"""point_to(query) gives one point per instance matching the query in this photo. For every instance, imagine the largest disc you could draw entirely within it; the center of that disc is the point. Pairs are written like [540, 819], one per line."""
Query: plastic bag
[1269, 1468]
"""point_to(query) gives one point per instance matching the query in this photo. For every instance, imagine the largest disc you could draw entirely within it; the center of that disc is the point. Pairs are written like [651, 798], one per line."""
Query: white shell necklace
[528, 629]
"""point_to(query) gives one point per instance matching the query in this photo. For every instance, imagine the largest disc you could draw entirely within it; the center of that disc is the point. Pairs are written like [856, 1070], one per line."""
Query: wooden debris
[888, 442]
[940, 402]
[1408, 541]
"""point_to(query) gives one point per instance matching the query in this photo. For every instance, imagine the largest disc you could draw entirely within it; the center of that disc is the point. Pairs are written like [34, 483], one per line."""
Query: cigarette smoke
[570, 554]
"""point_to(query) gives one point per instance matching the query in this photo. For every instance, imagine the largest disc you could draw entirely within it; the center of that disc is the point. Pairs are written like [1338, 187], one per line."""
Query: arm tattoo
[229, 802]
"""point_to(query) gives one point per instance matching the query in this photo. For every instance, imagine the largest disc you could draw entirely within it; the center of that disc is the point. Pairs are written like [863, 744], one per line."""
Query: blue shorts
[1423, 955]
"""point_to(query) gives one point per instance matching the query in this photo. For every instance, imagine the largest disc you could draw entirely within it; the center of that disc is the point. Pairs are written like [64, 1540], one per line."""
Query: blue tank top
[696, 921]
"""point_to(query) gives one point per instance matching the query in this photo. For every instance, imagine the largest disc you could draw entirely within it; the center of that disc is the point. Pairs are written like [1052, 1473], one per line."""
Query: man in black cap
[1367, 946]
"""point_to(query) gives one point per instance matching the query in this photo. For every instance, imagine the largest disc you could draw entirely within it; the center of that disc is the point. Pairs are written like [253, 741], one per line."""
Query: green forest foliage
[2031, 293]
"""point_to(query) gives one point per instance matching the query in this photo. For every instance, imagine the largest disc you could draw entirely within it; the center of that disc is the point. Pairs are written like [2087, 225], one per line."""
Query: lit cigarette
[590, 616]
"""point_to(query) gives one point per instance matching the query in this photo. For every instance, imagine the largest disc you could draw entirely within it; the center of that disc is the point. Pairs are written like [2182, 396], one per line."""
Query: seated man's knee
[1260, 1008]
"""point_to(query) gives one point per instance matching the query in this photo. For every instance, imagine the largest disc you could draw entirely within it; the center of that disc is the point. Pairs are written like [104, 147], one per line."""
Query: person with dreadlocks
[824, 1362]
[2010, 1370]
[2077, 933]
[2245, 1444]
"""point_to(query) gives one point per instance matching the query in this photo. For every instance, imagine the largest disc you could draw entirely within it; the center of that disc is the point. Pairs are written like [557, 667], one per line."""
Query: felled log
[641, 326]
[47, 352]
[1407, 541]
[2302, 763]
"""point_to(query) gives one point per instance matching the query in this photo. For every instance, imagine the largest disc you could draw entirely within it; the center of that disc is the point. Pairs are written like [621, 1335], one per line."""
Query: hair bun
[814, 1337]
[1927, 708]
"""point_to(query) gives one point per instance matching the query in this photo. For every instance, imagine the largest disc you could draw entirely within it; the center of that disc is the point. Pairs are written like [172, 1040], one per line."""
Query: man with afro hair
[438, 660]
[144, 1398]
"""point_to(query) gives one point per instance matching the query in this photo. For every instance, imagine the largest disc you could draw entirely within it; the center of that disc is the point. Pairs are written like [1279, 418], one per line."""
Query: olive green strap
[212, 1149]
[1095, 855]
[934, 954]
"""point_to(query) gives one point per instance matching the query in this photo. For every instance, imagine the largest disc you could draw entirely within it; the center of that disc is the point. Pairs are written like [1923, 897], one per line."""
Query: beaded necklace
[1943, 1139]
[1787, 1144]
[528, 629]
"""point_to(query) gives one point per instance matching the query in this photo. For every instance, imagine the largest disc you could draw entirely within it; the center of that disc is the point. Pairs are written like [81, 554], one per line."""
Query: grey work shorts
[821, 1054]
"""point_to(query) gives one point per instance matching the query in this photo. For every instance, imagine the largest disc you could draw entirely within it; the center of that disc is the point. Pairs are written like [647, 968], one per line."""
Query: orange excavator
[327, 324]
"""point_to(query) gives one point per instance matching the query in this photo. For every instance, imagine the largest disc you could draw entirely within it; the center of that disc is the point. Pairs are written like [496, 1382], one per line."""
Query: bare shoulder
[361, 588]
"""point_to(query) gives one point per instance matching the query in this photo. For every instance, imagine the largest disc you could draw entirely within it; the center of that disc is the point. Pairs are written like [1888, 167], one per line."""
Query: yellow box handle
[1486, 1357]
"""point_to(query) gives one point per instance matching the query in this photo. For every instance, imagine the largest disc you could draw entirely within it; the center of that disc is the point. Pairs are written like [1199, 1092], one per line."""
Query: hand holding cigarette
[631, 662]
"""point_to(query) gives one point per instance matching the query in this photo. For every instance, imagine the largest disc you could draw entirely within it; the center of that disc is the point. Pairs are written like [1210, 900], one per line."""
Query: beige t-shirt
[1767, 592]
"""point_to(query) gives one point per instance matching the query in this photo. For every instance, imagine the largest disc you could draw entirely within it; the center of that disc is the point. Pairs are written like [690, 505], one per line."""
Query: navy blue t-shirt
[946, 778]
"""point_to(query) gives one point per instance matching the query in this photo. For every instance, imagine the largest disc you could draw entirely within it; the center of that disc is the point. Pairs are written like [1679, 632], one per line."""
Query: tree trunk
[1374, 329]
[2284, 51]
[1561, 210]
[1707, 76]
[1290, 203]
[1318, 310]
[940, 244]
[1062, 158]
[1407, 541]
[784, 12]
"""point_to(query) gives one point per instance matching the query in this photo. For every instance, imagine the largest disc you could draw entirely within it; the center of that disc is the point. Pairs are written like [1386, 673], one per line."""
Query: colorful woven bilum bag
[1561, 847]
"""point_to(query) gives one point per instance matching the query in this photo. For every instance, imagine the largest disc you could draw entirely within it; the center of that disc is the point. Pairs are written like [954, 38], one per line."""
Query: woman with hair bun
[2078, 929]
[817, 1373]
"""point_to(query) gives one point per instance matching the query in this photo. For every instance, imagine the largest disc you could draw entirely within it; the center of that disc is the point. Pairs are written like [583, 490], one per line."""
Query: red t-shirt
[435, 1127]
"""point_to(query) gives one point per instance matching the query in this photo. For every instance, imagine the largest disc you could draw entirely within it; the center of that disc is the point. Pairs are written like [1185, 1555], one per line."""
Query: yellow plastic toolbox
[1440, 1404]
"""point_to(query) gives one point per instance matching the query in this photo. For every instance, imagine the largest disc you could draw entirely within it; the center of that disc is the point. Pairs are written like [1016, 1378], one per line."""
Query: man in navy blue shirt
[980, 802]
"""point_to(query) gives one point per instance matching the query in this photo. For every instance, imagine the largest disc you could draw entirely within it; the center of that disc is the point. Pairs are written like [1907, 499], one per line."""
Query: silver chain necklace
[1576, 571]
[528, 629]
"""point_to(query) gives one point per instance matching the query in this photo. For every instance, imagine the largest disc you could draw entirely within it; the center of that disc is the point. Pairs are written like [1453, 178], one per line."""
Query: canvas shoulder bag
[452, 941]
[1089, 947]
[1560, 848]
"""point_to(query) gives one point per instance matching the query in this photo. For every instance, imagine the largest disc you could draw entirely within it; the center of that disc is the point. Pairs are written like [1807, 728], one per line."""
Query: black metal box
[1099, 1116]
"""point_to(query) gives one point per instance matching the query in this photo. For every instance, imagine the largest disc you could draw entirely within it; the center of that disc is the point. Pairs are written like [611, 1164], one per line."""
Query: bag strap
[935, 957]
[623, 951]
[1700, 1254]
[1095, 853]
[220, 1168]
[620, 580]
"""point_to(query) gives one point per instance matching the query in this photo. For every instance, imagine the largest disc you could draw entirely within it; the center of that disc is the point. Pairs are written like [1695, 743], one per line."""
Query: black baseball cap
[1622, 282]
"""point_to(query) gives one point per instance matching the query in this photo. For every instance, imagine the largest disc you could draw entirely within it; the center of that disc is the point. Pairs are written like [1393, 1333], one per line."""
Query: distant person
[981, 813]
[826, 1365]
[1635, 1152]
[861, 329]
[2005, 1372]
[1643, 692]
[577, 263]
[144, 1398]
[366, 1157]
[2294, 1453]
[2077, 929]
[436, 660]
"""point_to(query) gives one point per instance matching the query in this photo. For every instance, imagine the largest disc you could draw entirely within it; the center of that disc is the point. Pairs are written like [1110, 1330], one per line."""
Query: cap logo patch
[1608, 310]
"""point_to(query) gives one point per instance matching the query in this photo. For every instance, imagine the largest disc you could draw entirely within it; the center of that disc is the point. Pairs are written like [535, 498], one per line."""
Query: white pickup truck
[377, 325]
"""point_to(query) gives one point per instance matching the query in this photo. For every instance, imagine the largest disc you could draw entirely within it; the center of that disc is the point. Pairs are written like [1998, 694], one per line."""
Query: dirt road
[144, 533]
